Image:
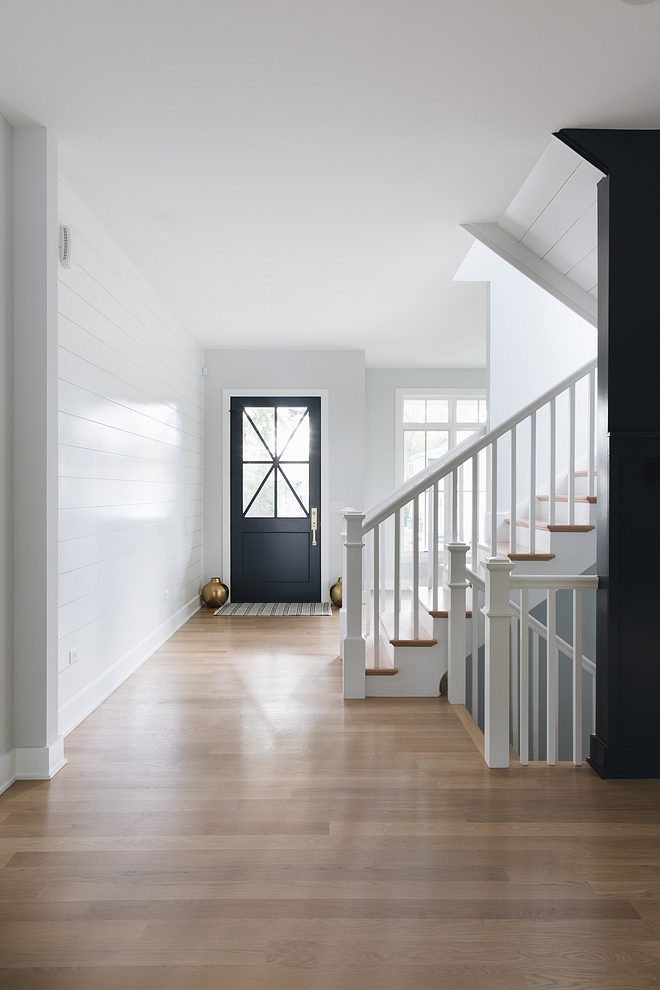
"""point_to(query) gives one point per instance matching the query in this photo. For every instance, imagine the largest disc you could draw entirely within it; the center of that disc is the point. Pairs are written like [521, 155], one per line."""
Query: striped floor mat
[276, 608]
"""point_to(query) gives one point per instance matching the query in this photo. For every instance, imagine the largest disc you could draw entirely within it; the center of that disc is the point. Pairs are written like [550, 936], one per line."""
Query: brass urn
[335, 593]
[215, 593]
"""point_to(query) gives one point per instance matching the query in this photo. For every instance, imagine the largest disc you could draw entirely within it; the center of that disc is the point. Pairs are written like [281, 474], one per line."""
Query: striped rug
[275, 608]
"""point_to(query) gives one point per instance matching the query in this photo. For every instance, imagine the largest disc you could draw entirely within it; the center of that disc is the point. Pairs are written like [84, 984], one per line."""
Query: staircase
[503, 531]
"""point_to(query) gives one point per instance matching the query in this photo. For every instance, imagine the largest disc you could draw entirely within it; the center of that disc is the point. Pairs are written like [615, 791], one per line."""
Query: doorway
[275, 482]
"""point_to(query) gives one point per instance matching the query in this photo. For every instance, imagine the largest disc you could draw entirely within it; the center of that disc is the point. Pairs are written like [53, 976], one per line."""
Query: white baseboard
[31, 763]
[84, 702]
[7, 770]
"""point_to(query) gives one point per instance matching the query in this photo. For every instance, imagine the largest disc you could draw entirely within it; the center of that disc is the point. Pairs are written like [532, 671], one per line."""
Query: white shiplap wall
[130, 442]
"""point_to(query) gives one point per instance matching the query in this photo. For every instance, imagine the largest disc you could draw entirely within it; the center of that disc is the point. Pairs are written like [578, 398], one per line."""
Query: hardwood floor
[227, 822]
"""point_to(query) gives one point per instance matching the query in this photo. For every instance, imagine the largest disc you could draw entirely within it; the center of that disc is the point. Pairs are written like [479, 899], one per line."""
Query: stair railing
[463, 498]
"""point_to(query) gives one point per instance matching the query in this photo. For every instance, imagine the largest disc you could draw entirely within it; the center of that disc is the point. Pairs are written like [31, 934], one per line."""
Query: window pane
[414, 411]
[467, 410]
[437, 411]
[414, 452]
[287, 503]
[482, 410]
[437, 443]
[297, 446]
[263, 418]
[253, 475]
[287, 420]
[253, 447]
[463, 434]
[264, 503]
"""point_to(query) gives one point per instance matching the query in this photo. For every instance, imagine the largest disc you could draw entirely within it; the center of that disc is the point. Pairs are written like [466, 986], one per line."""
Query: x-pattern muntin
[276, 458]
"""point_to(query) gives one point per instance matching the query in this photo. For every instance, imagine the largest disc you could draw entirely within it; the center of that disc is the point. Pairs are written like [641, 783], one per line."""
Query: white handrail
[470, 447]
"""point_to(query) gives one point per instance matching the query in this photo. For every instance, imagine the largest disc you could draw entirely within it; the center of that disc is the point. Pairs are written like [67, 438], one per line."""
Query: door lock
[314, 515]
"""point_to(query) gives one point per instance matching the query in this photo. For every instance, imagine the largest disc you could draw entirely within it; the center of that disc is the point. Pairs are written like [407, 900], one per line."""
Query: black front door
[275, 499]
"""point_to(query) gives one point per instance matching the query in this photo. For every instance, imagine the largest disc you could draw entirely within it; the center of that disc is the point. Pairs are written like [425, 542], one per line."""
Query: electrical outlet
[167, 595]
[73, 655]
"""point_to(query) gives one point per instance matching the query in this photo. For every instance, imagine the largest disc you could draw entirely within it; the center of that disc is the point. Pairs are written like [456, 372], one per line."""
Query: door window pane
[288, 418]
[414, 411]
[263, 418]
[296, 445]
[437, 444]
[264, 503]
[467, 410]
[437, 411]
[297, 476]
[253, 475]
[254, 449]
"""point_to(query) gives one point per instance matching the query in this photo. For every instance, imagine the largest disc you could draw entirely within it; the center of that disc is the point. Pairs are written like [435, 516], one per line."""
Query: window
[429, 423]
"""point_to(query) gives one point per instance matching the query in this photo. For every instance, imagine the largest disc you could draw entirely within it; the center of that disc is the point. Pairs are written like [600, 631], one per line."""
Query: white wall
[6, 401]
[130, 442]
[342, 374]
[534, 340]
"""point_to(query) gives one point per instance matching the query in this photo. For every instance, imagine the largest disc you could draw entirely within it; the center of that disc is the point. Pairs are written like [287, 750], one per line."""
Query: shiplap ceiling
[554, 215]
[289, 173]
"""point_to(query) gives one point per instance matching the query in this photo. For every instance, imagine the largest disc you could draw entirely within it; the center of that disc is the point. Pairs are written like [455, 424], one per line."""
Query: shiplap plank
[573, 200]
[78, 432]
[76, 523]
[577, 243]
[90, 550]
[76, 462]
[585, 274]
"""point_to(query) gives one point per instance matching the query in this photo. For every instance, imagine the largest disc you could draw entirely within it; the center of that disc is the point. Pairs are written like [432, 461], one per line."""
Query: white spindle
[367, 586]
[397, 572]
[532, 484]
[571, 456]
[577, 677]
[553, 462]
[476, 612]
[514, 508]
[536, 696]
[376, 538]
[353, 645]
[434, 548]
[415, 601]
[523, 749]
[454, 507]
[496, 701]
[446, 521]
[457, 626]
[461, 503]
[515, 682]
[591, 468]
[552, 687]
[474, 560]
[493, 499]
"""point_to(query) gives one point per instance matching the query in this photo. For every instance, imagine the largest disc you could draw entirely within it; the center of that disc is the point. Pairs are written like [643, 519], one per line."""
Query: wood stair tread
[584, 499]
[553, 527]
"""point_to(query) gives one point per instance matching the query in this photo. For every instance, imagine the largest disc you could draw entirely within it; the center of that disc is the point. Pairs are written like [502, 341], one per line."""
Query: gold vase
[215, 593]
[336, 594]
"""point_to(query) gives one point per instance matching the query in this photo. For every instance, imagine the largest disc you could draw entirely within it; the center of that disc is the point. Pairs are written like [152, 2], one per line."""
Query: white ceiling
[293, 173]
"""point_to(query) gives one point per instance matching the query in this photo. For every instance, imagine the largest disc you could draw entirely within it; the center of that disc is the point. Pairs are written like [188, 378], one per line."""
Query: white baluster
[474, 561]
[354, 646]
[493, 499]
[571, 457]
[461, 503]
[524, 677]
[415, 601]
[552, 687]
[397, 571]
[434, 548]
[532, 484]
[476, 612]
[577, 677]
[367, 585]
[457, 645]
[376, 539]
[514, 508]
[515, 684]
[592, 434]
[536, 696]
[496, 703]
[553, 462]
[454, 507]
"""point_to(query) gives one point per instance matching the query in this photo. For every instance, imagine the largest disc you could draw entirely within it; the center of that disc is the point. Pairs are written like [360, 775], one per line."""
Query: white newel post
[498, 622]
[457, 625]
[353, 645]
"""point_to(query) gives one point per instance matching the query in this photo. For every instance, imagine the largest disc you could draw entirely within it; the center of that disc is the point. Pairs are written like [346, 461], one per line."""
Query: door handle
[314, 517]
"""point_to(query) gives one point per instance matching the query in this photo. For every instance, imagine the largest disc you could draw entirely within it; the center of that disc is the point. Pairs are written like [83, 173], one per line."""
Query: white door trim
[324, 395]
